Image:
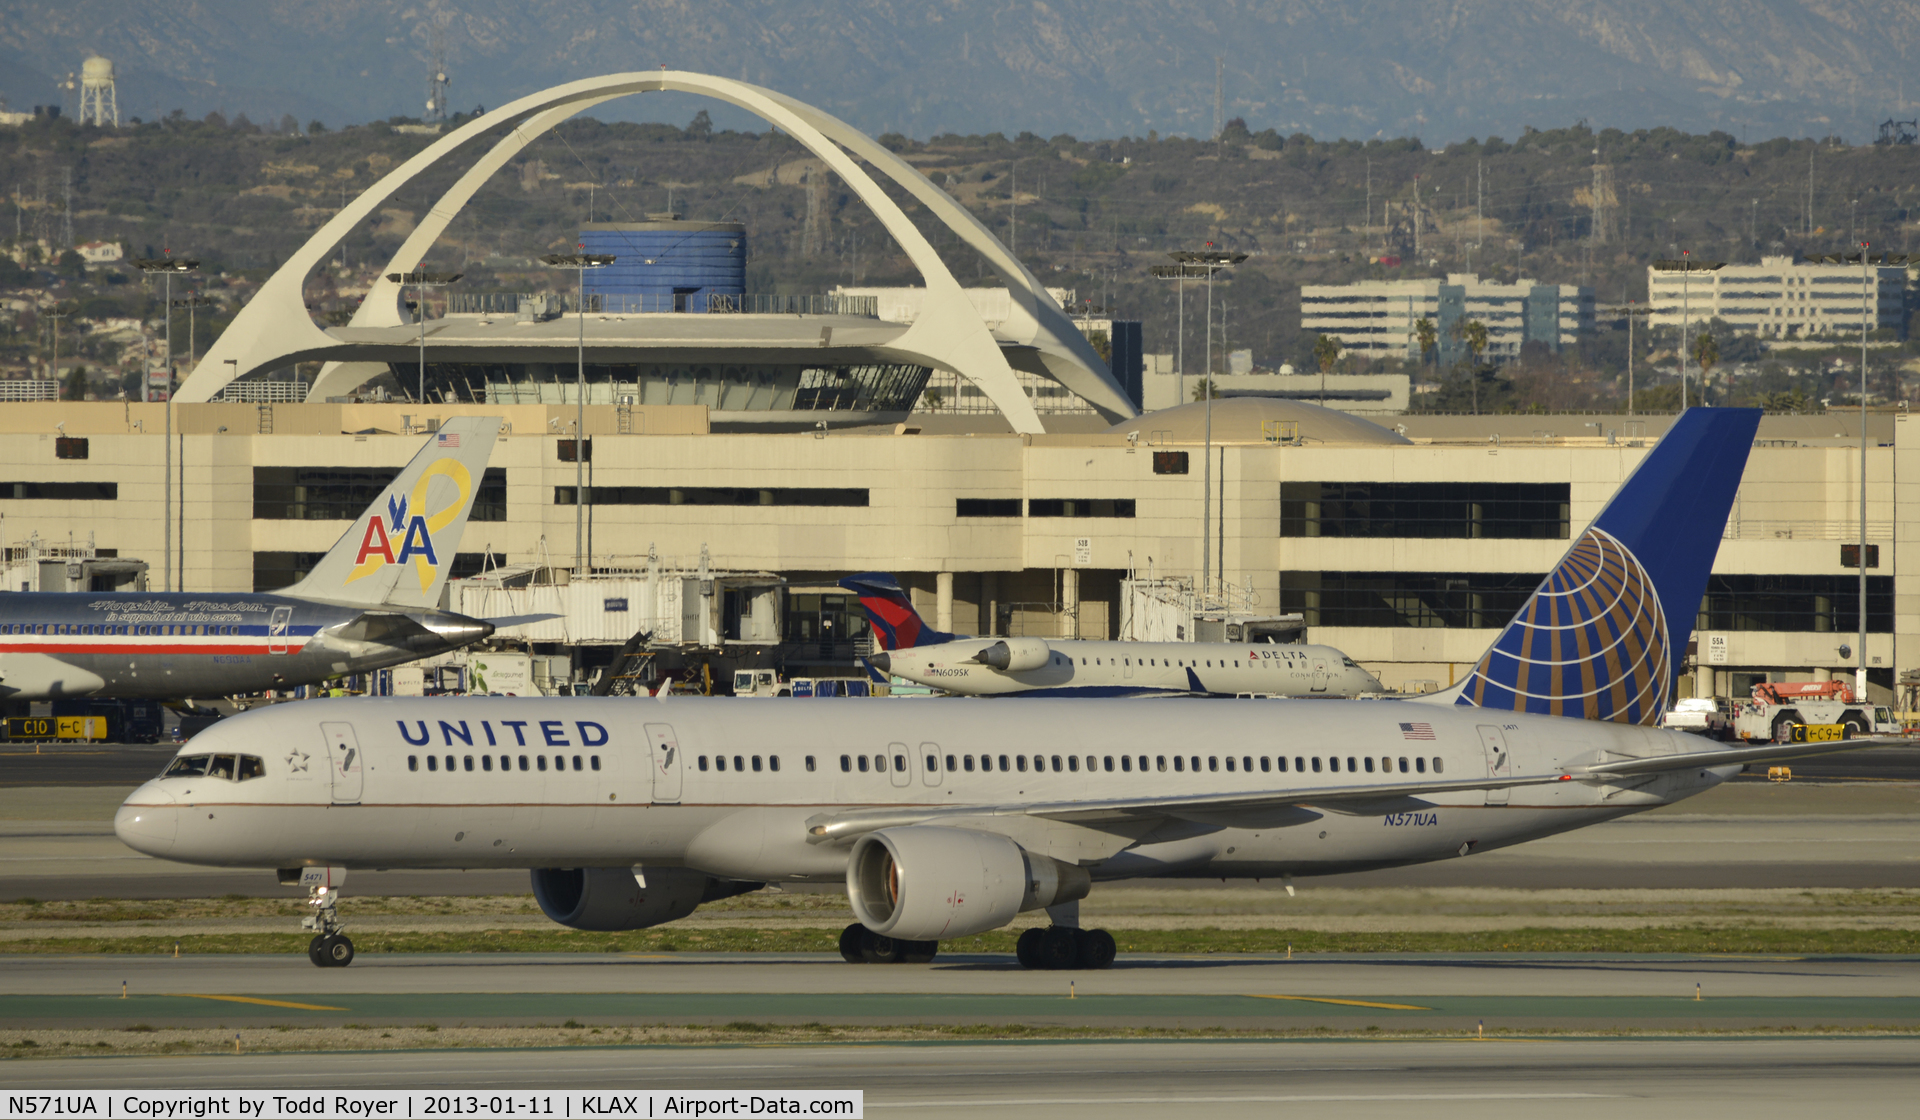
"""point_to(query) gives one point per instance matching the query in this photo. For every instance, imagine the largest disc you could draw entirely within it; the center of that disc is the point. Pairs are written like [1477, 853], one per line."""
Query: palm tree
[1706, 354]
[1428, 337]
[1326, 351]
[1203, 389]
[1474, 333]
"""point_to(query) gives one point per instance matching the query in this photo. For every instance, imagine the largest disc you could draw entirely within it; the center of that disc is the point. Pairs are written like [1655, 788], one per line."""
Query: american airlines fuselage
[751, 790]
[171, 645]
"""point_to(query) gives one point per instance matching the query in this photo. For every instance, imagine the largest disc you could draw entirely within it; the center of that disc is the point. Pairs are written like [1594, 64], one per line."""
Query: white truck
[1777, 708]
[1704, 715]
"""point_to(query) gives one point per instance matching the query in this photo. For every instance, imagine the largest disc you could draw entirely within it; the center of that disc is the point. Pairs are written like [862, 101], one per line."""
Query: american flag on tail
[449, 440]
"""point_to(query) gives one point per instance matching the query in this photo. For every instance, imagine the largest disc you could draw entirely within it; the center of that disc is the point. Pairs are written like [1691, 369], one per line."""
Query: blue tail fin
[1599, 639]
[896, 625]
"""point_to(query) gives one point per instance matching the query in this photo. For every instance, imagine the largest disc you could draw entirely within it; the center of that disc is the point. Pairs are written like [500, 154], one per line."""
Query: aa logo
[406, 532]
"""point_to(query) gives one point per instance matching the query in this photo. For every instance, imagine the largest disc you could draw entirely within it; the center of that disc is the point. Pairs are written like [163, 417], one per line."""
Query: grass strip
[1656, 939]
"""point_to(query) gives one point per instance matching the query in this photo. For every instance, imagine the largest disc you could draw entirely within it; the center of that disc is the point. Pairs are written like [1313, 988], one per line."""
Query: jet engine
[1014, 655]
[616, 898]
[925, 883]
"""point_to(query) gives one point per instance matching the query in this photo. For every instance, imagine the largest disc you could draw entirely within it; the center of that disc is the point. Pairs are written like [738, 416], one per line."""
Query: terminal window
[1080, 507]
[1462, 600]
[1795, 604]
[61, 491]
[343, 494]
[1425, 510]
[714, 496]
[986, 507]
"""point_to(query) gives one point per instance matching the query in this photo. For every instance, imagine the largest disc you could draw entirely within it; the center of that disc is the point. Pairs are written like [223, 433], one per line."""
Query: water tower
[97, 101]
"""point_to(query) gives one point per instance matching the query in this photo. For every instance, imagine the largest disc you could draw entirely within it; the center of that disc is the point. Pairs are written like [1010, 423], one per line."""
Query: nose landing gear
[329, 948]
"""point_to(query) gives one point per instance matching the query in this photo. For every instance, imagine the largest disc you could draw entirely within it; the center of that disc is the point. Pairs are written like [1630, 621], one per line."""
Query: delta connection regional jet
[946, 818]
[966, 666]
[368, 604]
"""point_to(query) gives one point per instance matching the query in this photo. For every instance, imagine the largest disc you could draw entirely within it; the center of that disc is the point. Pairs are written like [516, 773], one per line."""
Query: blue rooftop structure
[666, 265]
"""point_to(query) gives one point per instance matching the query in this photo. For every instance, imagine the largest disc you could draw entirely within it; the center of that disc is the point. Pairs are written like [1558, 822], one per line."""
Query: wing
[1736, 756]
[844, 826]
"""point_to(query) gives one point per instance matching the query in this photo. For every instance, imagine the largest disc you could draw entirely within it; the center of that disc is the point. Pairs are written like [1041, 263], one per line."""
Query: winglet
[400, 549]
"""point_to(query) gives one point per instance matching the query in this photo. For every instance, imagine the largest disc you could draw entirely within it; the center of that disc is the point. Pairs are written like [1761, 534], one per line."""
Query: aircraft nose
[882, 661]
[149, 825]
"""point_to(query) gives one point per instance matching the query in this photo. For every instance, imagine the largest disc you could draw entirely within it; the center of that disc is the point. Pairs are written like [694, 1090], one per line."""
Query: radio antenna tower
[98, 104]
[437, 82]
[1605, 202]
[1219, 96]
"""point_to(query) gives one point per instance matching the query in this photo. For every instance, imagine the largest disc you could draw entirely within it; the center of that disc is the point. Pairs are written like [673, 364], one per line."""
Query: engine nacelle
[925, 883]
[616, 898]
[1015, 655]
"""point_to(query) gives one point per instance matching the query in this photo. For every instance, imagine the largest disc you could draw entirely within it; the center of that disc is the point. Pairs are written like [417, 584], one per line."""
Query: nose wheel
[1057, 948]
[330, 951]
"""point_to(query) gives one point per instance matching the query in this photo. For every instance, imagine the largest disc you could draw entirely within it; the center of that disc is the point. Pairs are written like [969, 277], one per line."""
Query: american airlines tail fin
[896, 625]
[399, 551]
[1600, 638]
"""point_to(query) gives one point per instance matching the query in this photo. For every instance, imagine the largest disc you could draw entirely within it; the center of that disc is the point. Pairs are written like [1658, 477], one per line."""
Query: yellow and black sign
[57, 727]
[1818, 733]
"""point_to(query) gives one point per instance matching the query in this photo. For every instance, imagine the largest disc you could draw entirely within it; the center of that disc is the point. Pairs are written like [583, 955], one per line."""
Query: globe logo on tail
[1592, 643]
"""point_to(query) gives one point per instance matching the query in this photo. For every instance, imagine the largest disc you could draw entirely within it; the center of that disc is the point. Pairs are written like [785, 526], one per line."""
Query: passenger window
[251, 767]
[950, 761]
[1020, 760]
[740, 764]
[773, 763]
[576, 762]
[1179, 764]
[539, 762]
[966, 760]
[1316, 764]
[433, 763]
[1246, 764]
[1420, 764]
[1265, 764]
[933, 764]
[1386, 766]
[1056, 763]
[1143, 764]
[1438, 765]
[1403, 764]
[1126, 763]
[1213, 763]
[899, 763]
[1369, 764]
[1196, 764]
[1108, 761]
[413, 763]
[864, 764]
[1300, 765]
[1003, 764]
[720, 762]
[1073, 763]
[1160, 761]
[506, 763]
[756, 764]
[466, 762]
[523, 762]
[846, 764]
[809, 764]
[700, 763]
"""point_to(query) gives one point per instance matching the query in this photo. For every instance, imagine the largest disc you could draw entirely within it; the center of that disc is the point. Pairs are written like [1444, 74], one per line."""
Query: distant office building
[1778, 298]
[1376, 318]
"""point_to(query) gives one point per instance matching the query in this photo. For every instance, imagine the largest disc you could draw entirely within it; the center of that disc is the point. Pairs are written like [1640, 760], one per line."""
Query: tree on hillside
[75, 386]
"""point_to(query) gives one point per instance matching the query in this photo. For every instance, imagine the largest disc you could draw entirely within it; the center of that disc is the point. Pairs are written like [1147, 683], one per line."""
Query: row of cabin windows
[107, 628]
[1126, 763]
[537, 762]
[741, 763]
[1169, 663]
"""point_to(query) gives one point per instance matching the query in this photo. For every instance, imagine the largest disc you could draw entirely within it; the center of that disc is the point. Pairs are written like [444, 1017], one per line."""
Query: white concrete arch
[274, 328]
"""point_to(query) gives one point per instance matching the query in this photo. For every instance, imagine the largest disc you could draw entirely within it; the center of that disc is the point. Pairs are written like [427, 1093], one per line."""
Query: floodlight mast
[422, 280]
[1686, 266]
[1197, 262]
[581, 262]
[167, 267]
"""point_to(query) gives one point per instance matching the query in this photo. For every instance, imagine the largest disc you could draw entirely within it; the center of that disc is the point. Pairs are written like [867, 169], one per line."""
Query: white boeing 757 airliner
[948, 817]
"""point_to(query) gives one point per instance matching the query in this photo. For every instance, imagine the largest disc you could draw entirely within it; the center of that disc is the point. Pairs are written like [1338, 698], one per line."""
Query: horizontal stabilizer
[1738, 756]
[518, 620]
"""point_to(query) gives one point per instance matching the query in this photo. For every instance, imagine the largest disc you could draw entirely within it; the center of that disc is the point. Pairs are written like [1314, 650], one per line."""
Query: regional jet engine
[925, 883]
[617, 898]
[1014, 655]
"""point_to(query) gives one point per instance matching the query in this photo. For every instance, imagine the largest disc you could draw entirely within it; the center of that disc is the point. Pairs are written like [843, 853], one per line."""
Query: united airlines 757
[368, 604]
[946, 818]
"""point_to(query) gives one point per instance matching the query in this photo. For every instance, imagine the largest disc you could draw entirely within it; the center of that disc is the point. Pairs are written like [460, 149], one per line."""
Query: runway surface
[1570, 1079]
[1416, 992]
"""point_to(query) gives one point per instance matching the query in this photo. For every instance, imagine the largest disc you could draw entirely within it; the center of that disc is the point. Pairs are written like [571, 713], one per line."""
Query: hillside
[1091, 215]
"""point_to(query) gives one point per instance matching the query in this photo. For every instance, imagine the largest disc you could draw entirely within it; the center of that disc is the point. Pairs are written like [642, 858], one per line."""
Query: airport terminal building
[741, 449]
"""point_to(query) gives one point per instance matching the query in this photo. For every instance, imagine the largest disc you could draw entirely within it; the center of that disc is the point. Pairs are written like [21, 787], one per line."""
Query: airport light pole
[1686, 266]
[191, 303]
[1869, 312]
[1209, 261]
[581, 262]
[168, 267]
[421, 281]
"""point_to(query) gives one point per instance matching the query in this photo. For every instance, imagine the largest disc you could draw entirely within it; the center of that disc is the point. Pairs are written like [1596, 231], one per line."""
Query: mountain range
[1443, 70]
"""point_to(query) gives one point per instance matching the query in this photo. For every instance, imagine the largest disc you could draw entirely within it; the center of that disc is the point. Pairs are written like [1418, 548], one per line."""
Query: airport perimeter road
[1568, 1079]
[1347, 993]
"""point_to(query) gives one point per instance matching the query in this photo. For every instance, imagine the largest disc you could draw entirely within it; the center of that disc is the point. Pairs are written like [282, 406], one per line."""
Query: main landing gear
[860, 945]
[330, 948]
[1065, 947]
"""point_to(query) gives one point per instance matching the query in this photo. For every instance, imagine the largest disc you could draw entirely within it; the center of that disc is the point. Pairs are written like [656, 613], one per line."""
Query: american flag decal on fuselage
[1423, 731]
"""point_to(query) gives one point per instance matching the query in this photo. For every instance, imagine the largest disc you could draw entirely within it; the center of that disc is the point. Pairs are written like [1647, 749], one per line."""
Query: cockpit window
[229, 767]
[189, 766]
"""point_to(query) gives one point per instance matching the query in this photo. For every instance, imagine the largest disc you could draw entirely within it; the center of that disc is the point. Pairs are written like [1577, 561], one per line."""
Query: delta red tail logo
[407, 531]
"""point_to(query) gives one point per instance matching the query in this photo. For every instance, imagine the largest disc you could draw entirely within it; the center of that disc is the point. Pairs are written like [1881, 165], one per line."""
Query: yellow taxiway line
[261, 1002]
[1349, 1002]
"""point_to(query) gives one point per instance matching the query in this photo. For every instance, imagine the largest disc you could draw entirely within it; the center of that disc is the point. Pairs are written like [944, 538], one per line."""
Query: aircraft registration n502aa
[946, 818]
[369, 603]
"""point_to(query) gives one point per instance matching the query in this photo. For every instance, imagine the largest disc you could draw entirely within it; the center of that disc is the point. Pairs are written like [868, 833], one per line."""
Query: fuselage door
[1499, 760]
[1319, 674]
[344, 762]
[277, 629]
[665, 750]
